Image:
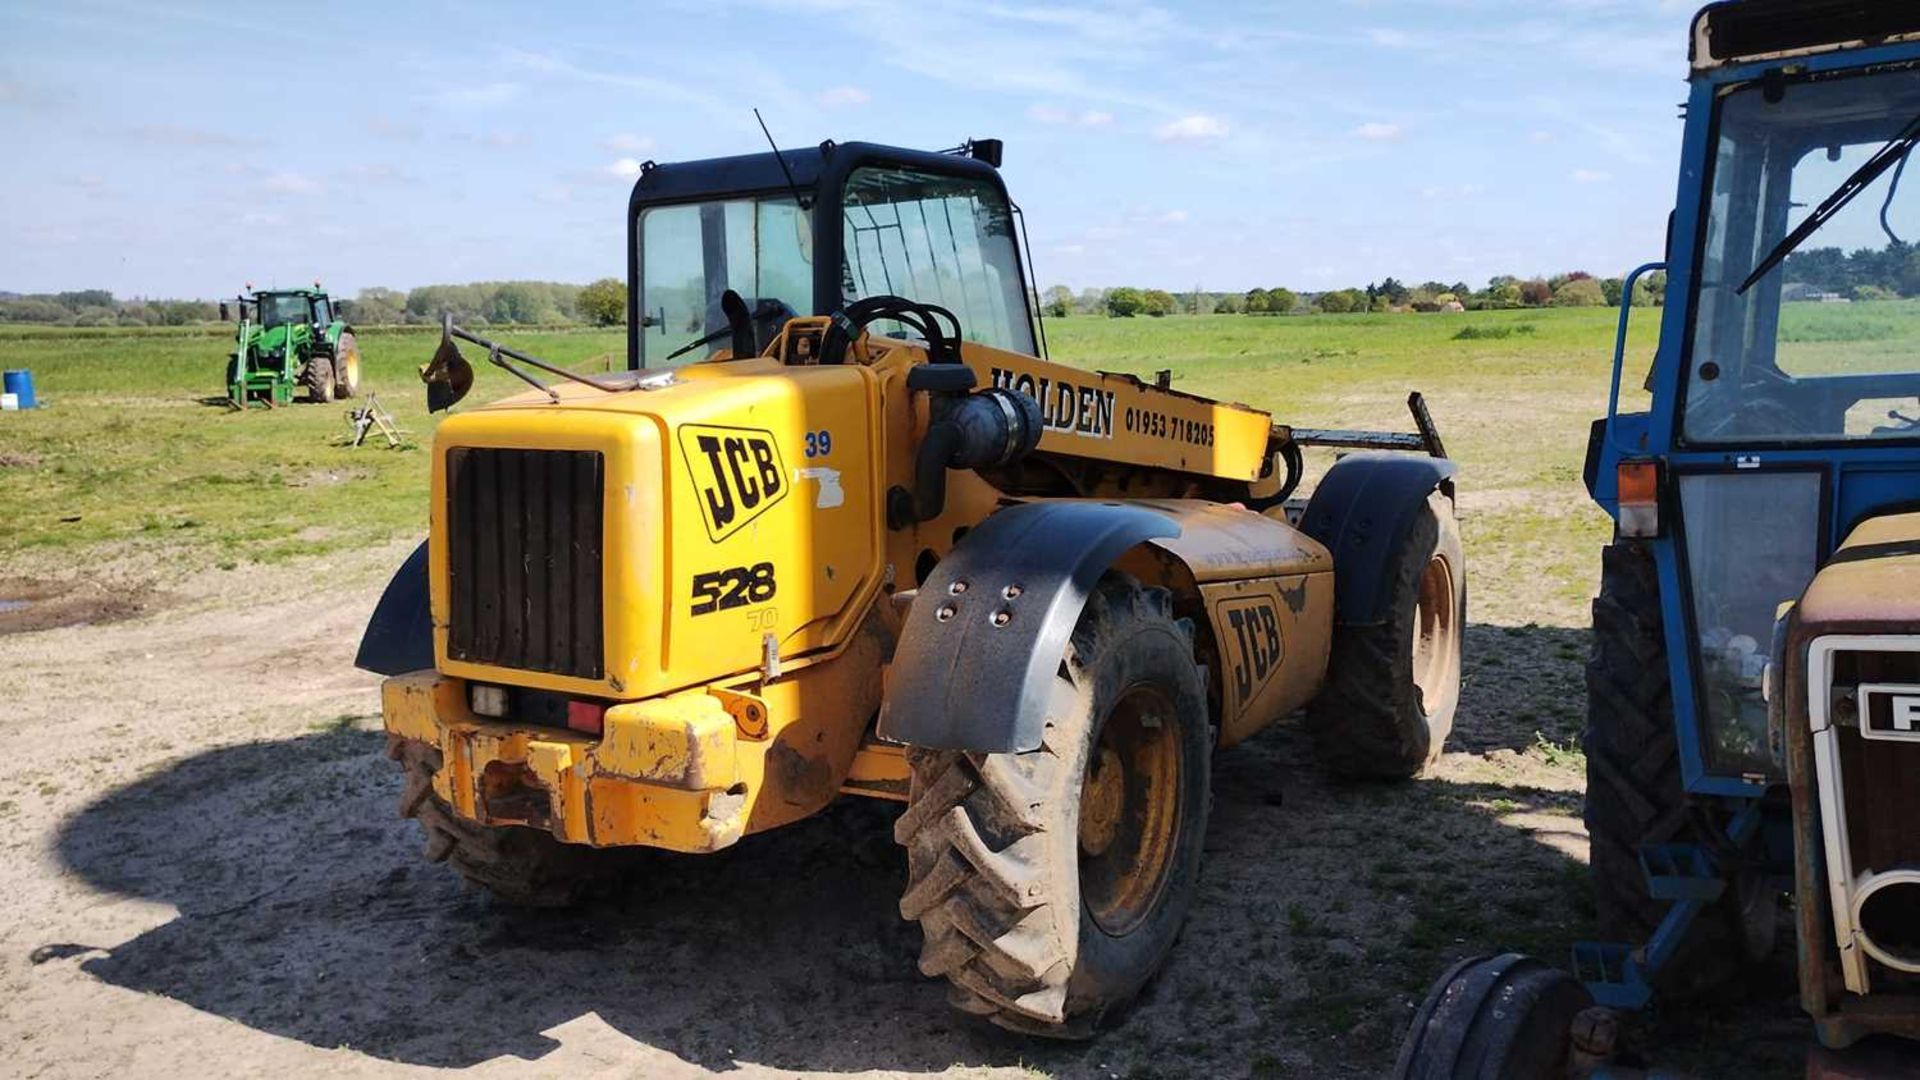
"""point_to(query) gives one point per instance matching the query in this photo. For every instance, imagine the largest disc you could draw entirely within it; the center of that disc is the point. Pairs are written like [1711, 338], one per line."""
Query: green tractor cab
[288, 338]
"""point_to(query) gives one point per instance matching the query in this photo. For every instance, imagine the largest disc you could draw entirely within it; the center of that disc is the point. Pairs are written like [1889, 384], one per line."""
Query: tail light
[1638, 485]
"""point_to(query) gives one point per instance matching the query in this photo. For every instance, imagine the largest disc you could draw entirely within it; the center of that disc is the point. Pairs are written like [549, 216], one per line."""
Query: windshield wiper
[1885, 158]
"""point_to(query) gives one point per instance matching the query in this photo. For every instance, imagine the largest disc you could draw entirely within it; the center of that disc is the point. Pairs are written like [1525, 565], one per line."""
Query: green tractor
[288, 338]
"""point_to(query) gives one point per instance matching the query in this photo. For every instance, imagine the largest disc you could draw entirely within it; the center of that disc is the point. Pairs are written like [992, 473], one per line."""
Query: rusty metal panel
[1220, 542]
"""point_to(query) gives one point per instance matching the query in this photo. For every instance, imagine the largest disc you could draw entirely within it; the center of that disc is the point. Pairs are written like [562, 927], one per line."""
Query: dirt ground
[203, 874]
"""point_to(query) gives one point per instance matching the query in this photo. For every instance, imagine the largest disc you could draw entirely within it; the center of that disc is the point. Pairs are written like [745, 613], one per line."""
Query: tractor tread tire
[346, 378]
[1635, 794]
[1507, 1017]
[1369, 721]
[519, 866]
[317, 378]
[993, 849]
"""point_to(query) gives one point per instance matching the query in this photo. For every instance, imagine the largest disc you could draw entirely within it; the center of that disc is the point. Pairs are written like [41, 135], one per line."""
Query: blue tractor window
[1825, 346]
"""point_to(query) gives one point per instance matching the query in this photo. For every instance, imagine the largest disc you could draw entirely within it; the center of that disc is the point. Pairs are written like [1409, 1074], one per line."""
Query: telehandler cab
[876, 544]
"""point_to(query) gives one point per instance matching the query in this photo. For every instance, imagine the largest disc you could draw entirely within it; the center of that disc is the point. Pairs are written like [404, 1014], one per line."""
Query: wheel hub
[1434, 630]
[1130, 811]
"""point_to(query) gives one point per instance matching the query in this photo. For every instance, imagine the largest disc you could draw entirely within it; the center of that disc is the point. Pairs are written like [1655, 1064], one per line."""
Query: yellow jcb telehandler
[857, 536]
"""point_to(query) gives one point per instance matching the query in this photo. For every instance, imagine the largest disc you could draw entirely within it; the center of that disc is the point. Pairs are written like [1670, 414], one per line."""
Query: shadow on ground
[306, 911]
[1521, 685]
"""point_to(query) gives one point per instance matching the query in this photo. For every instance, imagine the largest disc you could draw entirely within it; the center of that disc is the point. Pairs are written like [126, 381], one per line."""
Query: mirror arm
[496, 351]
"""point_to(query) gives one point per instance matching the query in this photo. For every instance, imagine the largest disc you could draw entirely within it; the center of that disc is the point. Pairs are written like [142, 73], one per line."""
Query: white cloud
[485, 94]
[183, 135]
[624, 169]
[838, 97]
[1540, 137]
[378, 172]
[1590, 176]
[1196, 126]
[1172, 217]
[1052, 114]
[624, 143]
[1375, 131]
[495, 138]
[288, 182]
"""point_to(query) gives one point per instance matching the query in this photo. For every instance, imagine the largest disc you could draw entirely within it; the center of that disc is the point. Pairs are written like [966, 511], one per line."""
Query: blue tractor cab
[1754, 688]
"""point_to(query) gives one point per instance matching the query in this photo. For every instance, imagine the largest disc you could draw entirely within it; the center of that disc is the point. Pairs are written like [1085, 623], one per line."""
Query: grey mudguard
[1360, 511]
[983, 641]
[399, 637]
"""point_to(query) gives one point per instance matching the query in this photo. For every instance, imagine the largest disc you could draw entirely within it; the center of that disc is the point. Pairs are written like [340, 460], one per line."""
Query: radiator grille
[524, 543]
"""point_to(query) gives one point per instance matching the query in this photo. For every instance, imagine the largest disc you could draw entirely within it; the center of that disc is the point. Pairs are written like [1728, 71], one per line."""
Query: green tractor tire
[317, 377]
[346, 366]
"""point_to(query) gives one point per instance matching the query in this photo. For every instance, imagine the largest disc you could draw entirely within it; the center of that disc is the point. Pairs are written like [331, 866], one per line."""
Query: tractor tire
[520, 867]
[346, 367]
[317, 377]
[1507, 1017]
[1393, 686]
[1635, 794]
[1049, 885]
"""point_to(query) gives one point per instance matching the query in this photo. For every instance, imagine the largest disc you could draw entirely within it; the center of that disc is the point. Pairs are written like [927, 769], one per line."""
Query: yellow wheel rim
[1435, 631]
[1130, 811]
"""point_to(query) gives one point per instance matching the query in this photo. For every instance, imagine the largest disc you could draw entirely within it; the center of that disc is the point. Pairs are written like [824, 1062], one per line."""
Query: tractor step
[1680, 872]
[1613, 974]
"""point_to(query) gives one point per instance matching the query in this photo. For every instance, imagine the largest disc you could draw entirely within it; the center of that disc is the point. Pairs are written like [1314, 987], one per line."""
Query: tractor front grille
[524, 544]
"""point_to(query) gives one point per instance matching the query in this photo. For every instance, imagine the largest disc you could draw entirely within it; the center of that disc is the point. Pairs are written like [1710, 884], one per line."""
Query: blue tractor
[1753, 738]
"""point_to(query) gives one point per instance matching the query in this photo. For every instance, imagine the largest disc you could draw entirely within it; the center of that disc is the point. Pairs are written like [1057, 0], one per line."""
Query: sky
[173, 149]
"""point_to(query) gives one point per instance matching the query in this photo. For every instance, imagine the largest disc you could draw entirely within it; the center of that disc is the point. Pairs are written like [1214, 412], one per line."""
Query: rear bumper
[662, 774]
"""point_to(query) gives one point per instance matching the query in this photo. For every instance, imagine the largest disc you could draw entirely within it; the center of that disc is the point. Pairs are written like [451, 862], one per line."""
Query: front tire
[1049, 885]
[1393, 686]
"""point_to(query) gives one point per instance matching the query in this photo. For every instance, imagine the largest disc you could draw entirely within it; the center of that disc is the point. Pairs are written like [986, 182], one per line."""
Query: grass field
[1319, 925]
[137, 446]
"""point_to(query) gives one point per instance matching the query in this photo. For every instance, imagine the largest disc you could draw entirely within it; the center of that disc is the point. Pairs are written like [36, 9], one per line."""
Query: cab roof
[1741, 31]
[744, 174]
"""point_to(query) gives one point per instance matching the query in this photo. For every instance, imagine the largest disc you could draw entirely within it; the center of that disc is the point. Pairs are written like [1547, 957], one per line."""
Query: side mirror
[448, 375]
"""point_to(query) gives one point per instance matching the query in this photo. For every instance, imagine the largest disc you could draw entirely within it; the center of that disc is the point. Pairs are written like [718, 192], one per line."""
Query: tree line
[601, 303]
[1866, 274]
[1573, 289]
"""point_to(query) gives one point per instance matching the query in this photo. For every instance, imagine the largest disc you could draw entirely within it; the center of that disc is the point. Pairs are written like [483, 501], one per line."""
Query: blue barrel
[19, 382]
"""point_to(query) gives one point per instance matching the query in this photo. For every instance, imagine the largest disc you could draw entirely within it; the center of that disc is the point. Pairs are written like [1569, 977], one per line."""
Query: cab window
[940, 240]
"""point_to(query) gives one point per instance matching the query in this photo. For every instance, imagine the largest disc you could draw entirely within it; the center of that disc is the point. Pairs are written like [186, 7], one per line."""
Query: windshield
[762, 248]
[283, 308]
[1824, 347]
[939, 240]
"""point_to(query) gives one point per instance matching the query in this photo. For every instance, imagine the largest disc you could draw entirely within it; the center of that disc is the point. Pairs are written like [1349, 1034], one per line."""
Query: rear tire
[317, 377]
[1393, 686]
[521, 867]
[1050, 885]
[1635, 794]
[346, 366]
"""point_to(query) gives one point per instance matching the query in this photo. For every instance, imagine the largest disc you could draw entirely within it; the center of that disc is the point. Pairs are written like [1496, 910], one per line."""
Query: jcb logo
[1253, 644]
[1891, 711]
[737, 473]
